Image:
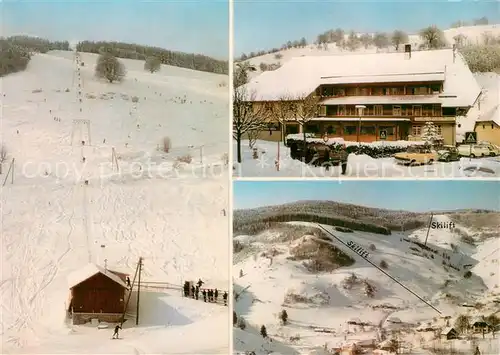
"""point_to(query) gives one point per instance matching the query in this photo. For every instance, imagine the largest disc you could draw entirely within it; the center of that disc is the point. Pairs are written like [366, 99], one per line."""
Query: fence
[160, 286]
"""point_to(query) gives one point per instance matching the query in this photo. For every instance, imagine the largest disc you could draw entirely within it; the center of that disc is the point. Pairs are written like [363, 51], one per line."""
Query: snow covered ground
[68, 205]
[326, 309]
[357, 166]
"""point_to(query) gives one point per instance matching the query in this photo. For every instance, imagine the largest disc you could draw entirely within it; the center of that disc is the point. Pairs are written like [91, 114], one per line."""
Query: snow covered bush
[242, 324]
[380, 149]
[383, 264]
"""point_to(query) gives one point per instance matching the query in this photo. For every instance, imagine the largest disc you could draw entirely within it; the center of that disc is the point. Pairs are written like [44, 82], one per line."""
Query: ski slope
[322, 309]
[62, 211]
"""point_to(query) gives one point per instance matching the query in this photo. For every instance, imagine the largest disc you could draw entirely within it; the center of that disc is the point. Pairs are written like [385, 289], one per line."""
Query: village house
[488, 126]
[449, 333]
[96, 293]
[368, 97]
[480, 325]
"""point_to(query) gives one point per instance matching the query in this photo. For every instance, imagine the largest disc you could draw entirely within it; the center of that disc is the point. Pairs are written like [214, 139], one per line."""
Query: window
[350, 130]
[368, 130]
[396, 110]
[312, 128]
[364, 92]
[331, 129]
[388, 129]
[378, 92]
[421, 90]
[351, 111]
[417, 110]
[436, 88]
[394, 91]
[341, 110]
[408, 111]
[340, 92]
[439, 129]
[436, 110]
[292, 129]
[378, 110]
[322, 110]
[416, 131]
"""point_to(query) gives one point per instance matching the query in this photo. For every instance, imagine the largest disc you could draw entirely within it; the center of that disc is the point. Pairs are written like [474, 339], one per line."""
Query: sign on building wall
[383, 134]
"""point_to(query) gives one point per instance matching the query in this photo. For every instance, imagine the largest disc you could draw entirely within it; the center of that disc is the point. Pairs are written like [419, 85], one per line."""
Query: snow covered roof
[492, 115]
[389, 99]
[302, 75]
[90, 270]
[447, 330]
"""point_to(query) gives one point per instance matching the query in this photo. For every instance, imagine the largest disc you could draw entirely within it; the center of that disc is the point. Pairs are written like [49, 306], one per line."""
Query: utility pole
[138, 290]
[429, 228]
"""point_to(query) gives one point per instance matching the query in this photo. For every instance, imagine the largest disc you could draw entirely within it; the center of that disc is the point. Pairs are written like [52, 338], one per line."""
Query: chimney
[408, 51]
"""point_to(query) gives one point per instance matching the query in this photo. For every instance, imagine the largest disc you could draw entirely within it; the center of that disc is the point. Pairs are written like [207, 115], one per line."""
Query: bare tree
[152, 64]
[460, 40]
[381, 40]
[304, 107]
[366, 40]
[281, 110]
[252, 135]
[433, 37]
[109, 67]
[3, 156]
[353, 42]
[398, 38]
[247, 117]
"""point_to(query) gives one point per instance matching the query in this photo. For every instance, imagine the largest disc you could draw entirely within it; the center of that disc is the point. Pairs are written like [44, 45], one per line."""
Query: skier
[477, 352]
[116, 331]
[216, 294]
[204, 293]
[210, 295]
[196, 291]
[224, 297]
[128, 282]
[199, 283]
[192, 291]
[186, 289]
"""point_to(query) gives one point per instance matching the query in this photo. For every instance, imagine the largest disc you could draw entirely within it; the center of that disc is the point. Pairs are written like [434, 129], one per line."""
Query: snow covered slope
[361, 301]
[63, 211]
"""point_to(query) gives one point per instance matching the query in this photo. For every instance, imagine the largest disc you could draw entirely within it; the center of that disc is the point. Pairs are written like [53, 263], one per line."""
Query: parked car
[448, 153]
[478, 150]
[319, 154]
[416, 155]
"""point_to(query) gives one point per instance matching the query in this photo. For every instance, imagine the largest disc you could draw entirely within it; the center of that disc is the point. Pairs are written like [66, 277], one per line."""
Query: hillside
[396, 289]
[473, 35]
[123, 50]
[93, 182]
[348, 215]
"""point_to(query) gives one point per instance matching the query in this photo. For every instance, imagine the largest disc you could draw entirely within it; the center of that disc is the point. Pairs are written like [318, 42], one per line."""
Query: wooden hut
[449, 333]
[480, 325]
[97, 293]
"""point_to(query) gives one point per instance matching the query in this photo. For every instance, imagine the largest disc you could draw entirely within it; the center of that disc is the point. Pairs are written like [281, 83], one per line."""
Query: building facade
[374, 97]
[488, 127]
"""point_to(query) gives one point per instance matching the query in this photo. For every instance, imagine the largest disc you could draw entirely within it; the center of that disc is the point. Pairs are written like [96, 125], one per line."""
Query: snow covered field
[359, 304]
[69, 206]
[361, 166]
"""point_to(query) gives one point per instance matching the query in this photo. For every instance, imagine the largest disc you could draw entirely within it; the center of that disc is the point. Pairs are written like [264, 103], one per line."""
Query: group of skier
[209, 295]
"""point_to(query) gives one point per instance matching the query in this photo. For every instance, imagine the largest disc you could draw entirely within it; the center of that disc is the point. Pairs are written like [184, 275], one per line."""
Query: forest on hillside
[13, 54]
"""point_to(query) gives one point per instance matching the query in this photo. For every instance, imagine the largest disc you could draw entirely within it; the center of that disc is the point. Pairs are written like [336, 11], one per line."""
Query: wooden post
[12, 172]
[138, 291]
[130, 294]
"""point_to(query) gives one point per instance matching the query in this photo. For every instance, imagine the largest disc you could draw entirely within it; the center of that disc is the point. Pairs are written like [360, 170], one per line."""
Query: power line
[382, 271]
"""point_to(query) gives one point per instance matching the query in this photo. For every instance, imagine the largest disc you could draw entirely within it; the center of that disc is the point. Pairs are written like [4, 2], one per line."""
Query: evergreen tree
[263, 331]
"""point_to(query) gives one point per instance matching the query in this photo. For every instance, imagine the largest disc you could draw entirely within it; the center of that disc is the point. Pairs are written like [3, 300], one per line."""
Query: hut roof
[90, 270]
[447, 330]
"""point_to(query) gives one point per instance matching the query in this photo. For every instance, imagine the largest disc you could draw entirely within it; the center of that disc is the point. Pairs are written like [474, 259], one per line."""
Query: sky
[414, 196]
[265, 24]
[193, 26]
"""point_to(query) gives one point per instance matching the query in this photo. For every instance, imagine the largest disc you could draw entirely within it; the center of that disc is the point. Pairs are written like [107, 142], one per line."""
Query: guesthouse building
[488, 126]
[368, 97]
[96, 293]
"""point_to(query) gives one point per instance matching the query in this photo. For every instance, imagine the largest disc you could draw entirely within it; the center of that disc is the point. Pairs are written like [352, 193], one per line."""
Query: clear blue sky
[264, 24]
[417, 196]
[200, 26]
